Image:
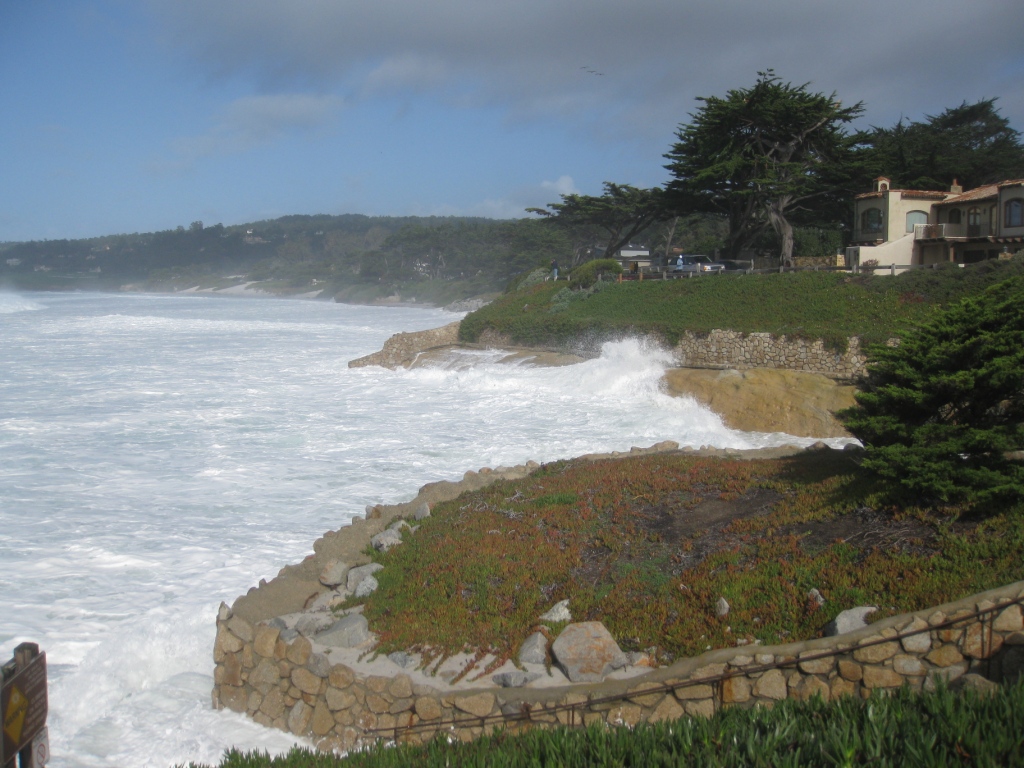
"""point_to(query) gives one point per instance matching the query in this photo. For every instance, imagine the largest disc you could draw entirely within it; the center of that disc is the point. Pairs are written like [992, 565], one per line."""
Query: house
[917, 227]
[631, 255]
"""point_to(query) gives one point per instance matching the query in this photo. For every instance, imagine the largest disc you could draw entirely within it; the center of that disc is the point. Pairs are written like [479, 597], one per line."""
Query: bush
[587, 274]
[527, 279]
[938, 412]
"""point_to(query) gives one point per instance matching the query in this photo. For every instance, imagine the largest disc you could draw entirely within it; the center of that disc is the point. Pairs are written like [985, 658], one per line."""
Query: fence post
[892, 270]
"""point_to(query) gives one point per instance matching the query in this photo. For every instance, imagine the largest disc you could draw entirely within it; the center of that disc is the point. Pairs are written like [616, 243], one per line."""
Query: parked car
[686, 263]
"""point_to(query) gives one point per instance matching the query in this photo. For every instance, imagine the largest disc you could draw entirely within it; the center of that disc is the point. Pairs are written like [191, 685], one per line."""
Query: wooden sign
[23, 705]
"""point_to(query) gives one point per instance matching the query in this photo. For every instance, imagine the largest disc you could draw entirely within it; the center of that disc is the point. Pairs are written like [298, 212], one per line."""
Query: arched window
[974, 222]
[871, 220]
[954, 215]
[916, 217]
[1014, 213]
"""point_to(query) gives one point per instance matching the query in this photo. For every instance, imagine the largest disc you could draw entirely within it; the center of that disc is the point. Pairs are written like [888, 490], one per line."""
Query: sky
[143, 115]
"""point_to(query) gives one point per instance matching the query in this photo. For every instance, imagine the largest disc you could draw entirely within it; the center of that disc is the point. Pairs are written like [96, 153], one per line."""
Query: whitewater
[161, 454]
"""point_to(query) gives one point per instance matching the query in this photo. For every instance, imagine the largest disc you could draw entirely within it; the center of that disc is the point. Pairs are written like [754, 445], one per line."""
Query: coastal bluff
[755, 383]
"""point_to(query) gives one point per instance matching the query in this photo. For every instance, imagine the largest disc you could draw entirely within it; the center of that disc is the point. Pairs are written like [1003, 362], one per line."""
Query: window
[954, 215]
[871, 220]
[1015, 212]
[916, 217]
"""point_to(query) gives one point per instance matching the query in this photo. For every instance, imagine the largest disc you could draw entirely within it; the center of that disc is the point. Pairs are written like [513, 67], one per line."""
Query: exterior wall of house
[1007, 193]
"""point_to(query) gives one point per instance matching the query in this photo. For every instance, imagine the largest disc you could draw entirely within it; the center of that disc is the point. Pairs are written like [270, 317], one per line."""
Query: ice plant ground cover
[647, 545]
[942, 728]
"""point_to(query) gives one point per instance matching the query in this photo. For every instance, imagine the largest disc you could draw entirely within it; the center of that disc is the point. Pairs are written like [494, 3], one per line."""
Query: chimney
[955, 188]
[882, 184]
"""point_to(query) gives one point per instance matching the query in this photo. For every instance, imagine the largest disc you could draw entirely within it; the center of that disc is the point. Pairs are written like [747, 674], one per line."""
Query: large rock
[402, 348]
[386, 539]
[347, 632]
[558, 612]
[367, 587]
[534, 649]
[334, 573]
[767, 400]
[311, 623]
[356, 575]
[849, 621]
[587, 652]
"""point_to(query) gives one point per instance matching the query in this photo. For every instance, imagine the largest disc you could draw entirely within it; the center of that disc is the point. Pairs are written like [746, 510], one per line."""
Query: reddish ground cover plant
[648, 544]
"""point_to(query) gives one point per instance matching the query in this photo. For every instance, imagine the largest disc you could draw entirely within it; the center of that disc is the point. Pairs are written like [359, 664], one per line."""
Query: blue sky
[142, 115]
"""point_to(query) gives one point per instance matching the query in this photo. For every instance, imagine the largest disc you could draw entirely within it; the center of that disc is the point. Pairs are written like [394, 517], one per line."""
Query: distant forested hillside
[381, 255]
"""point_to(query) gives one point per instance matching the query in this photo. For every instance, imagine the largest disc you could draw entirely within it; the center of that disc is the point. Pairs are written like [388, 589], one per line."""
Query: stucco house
[916, 227]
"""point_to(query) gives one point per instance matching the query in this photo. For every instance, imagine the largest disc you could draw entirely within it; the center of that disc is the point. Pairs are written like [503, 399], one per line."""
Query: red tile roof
[978, 193]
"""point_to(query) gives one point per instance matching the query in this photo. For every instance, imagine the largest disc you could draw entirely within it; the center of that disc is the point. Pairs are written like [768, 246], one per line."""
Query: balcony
[950, 231]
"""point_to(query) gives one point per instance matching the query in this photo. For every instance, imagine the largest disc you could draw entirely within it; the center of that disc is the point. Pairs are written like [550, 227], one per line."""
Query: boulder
[347, 632]
[401, 658]
[356, 575]
[422, 511]
[366, 587]
[311, 623]
[334, 573]
[558, 612]
[849, 621]
[587, 652]
[386, 539]
[534, 649]
[722, 608]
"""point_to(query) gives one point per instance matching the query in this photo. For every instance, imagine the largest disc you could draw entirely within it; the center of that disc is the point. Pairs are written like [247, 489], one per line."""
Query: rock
[366, 587]
[722, 608]
[347, 632]
[398, 526]
[402, 348]
[480, 705]
[311, 623]
[422, 511]
[325, 601]
[516, 679]
[587, 652]
[223, 612]
[334, 573]
[299, 717]
[534, 649]
[558, 612]
[816, 597]
[319, 664]
[385, 540]
[980, 685]
[401, 658]
[849, 620]
[356, 575]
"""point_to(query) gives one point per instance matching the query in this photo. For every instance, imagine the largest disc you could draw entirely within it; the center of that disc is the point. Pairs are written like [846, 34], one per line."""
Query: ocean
[161, 454]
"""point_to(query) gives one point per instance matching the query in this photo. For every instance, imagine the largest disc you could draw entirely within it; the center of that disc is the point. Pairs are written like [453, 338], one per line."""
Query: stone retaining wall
[732, 349]
[287, 685]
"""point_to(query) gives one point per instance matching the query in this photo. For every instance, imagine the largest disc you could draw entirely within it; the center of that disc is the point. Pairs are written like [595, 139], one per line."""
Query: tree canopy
[617, 216]
[763, 156]
[938, 413]
[972, 143]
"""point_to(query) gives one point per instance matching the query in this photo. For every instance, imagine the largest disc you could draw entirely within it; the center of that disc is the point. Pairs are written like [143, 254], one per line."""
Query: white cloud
[252, 121]
[564, 185]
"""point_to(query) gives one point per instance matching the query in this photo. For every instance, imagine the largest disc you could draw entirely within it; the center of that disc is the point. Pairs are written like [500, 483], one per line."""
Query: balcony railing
[947, 231]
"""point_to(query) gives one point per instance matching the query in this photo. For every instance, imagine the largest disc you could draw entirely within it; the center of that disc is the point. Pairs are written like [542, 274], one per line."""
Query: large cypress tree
[938, 413]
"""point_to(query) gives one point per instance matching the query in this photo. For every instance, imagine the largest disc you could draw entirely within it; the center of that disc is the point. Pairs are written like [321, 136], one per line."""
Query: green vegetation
[831, 306]
[942, 728]
[648, 544]
[938, 413]
[358, 258]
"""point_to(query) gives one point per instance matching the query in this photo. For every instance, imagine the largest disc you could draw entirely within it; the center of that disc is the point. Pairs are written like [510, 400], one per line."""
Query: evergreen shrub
[938, 413]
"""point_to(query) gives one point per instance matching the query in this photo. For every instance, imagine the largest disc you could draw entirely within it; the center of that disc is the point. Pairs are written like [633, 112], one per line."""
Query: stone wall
[291, 686]
[732, 349]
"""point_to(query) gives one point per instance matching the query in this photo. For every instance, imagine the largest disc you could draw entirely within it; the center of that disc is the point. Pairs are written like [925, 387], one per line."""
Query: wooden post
[23, 705]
